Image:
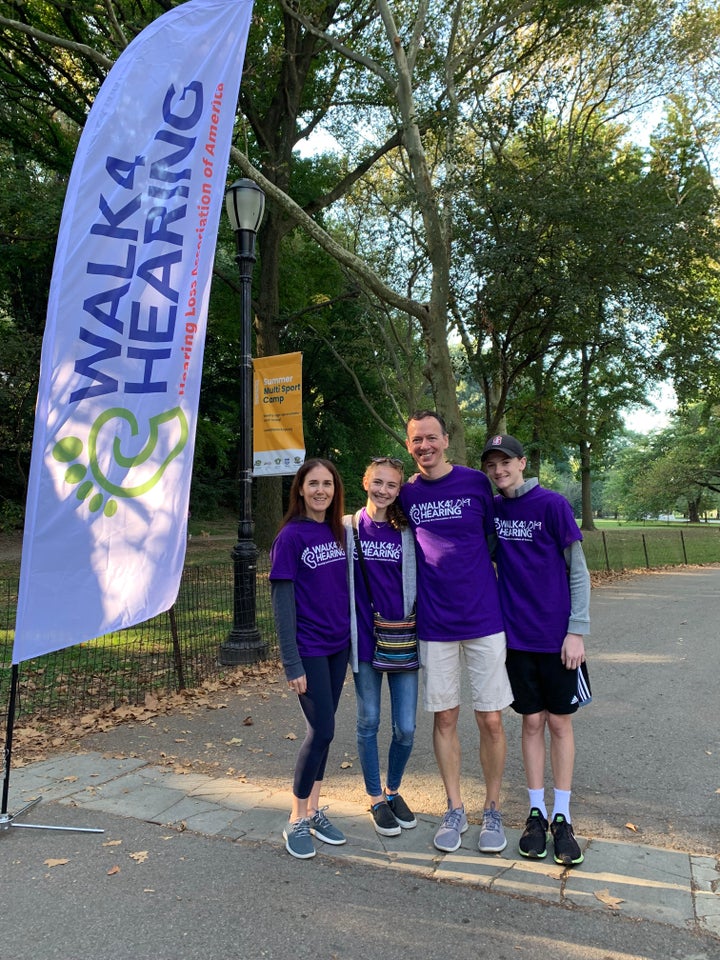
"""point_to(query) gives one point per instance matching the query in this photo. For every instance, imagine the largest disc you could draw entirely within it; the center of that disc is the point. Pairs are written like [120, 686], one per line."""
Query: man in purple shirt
[450, 510]
[545, 595]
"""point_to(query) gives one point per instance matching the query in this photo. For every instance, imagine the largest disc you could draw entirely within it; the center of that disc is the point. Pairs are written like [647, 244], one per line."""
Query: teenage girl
[389, 550]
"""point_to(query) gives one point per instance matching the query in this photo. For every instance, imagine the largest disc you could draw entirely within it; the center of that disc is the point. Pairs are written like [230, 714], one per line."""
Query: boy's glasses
[395, 461]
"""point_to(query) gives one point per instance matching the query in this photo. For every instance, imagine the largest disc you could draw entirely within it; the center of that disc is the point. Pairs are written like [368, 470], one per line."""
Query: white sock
[562, 804]
[537, 799]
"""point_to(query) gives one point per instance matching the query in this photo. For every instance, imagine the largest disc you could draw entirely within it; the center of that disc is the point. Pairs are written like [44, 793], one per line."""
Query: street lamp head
[245, 205]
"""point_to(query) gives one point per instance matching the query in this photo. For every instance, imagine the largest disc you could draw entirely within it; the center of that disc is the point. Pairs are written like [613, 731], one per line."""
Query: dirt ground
[10, 546]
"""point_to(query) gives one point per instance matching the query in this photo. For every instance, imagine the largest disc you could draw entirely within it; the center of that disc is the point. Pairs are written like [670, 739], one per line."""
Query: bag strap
[361, 560]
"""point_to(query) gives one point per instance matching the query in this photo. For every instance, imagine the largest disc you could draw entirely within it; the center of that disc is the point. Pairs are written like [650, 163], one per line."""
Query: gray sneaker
[454, 824]
[298, 841]
[324, 830]
[492, 836]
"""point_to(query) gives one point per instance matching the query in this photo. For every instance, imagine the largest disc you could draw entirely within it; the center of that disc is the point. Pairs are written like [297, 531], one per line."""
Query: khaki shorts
[485, 661]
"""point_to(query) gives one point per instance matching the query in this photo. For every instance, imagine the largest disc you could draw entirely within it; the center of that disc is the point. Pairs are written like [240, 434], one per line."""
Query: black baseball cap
[503, 443]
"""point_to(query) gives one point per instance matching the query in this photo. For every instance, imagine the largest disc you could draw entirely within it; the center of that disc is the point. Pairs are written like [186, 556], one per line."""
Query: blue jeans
[403, 705]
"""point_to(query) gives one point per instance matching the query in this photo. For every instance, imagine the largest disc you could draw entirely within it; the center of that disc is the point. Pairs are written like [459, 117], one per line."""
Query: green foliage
[11, 516]
[338, 424]
[583, 268]
[676, 470]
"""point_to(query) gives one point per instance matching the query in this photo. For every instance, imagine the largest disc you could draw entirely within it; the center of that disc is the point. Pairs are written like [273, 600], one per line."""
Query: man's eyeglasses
[394, 461]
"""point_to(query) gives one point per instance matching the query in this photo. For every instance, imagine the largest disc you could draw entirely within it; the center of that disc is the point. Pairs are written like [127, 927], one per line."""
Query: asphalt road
[648, 756]
[190, 897]
[648, 746]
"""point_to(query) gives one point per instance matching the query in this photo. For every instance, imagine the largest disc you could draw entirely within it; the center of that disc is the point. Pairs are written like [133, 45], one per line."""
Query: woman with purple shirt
[389, 553]
[311, 605]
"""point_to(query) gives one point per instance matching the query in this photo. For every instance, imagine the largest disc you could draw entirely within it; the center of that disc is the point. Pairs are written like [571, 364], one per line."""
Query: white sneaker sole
[487, 849]
[294, 853]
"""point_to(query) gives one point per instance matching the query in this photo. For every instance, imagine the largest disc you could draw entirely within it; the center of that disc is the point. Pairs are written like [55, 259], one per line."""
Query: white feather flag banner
[109, 485]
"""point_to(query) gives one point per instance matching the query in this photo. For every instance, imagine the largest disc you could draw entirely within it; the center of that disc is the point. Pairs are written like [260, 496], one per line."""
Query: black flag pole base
[7, 820]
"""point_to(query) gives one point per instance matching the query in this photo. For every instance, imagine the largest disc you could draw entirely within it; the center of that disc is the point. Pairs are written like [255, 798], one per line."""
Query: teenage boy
[450, 509]
[545, 597]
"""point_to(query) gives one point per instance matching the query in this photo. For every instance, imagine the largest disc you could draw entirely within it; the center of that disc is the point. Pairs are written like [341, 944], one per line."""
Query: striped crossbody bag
[395, 640]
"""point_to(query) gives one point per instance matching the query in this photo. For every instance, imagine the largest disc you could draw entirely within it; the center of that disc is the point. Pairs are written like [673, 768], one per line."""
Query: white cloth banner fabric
[106, 517]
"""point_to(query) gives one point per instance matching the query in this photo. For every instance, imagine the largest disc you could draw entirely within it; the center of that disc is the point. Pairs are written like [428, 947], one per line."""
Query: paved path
[642, 882]
[203, 795]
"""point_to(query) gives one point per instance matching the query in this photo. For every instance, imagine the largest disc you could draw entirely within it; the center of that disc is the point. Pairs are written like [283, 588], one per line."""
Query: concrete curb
[640, 882]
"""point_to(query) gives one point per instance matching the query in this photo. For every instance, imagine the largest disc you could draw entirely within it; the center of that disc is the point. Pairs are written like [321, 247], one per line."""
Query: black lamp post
[245, 205]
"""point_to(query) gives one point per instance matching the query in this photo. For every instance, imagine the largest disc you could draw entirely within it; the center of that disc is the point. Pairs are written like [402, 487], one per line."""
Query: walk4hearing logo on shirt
[438, 510]
[380, 550]
[516, 529]
[321, 554]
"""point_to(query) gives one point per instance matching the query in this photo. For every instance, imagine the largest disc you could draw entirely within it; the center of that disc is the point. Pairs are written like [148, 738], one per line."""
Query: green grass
[606, 524]
[617, 545]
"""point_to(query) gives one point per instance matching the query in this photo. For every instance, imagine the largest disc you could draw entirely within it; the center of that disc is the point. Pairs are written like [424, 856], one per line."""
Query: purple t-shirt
[533, 531]
[382, 549]
[457, 586]
[306, 553]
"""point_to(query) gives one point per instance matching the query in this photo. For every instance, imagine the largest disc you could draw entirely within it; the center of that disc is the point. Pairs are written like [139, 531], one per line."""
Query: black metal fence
[619, 549]
[180, 648]
[175, 650]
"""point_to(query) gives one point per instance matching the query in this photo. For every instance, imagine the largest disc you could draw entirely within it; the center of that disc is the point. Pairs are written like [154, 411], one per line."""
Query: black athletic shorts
[540, 682]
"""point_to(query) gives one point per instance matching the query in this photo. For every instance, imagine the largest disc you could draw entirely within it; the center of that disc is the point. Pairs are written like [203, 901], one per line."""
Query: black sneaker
[402, 812]
[567, 851]
[533, 842]
[385, 823]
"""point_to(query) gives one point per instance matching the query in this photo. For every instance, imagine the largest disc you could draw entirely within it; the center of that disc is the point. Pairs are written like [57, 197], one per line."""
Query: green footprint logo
[118, 474]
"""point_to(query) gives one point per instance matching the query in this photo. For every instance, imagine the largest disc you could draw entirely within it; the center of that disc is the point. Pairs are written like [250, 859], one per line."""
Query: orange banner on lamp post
[278, 443]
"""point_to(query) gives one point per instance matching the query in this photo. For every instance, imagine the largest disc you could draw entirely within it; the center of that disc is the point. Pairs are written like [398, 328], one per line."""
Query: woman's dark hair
[296, 504]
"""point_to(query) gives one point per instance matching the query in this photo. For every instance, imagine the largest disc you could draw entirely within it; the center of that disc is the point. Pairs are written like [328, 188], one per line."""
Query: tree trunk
[587, 522]
[436, 220]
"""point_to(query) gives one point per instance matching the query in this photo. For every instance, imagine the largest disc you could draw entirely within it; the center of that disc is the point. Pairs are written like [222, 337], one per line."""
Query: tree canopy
[488, 235]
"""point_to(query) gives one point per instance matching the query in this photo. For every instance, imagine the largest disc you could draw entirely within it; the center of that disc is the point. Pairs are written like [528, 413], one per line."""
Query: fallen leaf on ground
[248, 722]
[113, 870]
[345, 765]
[50, 862]
[604, 896]
[112, 843]
[631, 826]
[139, 857]
[291, 736]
